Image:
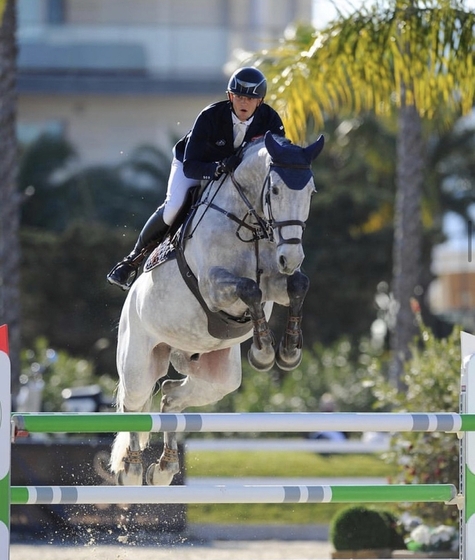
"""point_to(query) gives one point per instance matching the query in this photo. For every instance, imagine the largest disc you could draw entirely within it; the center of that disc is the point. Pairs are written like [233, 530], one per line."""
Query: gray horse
[240, 252]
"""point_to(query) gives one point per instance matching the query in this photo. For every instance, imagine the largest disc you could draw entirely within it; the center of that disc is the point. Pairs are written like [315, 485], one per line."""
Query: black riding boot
[154, 231]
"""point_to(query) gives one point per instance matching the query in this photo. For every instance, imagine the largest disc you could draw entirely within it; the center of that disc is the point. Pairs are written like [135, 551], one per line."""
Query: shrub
[432, 379]
[396, 540]
[360, 527]
[339, 370]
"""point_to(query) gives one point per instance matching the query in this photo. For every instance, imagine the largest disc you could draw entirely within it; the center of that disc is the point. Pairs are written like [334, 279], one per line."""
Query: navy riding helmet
[248, 81]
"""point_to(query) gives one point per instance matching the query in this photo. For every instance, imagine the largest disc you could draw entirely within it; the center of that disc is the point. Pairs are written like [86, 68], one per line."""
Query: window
[55, 12]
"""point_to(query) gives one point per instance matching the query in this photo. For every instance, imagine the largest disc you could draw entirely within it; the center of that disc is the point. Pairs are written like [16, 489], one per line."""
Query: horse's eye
[275, 190]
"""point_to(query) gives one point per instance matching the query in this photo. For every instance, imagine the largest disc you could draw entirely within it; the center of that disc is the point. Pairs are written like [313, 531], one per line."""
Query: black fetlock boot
[154, 231]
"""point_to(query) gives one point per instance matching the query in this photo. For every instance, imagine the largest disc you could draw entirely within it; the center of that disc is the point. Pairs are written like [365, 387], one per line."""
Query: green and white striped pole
[234, 494]
[5, 445]
[467, 450]
[96, 422]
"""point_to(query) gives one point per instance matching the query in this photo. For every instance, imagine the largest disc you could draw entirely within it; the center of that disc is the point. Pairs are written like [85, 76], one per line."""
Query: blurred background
[104, 90]
[98, 93]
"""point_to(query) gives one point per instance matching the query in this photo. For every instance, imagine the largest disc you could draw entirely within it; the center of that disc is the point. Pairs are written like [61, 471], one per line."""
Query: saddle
[221, 325]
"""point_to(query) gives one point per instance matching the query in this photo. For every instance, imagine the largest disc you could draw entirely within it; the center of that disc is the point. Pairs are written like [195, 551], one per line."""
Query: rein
[265, 225]
[268, 224]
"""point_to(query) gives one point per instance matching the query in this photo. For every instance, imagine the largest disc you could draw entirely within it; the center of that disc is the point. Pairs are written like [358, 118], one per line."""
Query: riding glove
[228, 165]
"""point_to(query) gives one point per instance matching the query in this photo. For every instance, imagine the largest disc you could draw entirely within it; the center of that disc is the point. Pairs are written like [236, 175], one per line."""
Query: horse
[239, 253]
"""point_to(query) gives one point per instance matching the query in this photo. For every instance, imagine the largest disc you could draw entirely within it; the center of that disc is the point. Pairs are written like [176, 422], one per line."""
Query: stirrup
[130, 279]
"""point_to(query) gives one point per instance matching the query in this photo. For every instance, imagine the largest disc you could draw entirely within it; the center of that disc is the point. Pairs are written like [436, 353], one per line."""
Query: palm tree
[9, 198]
[412, 58]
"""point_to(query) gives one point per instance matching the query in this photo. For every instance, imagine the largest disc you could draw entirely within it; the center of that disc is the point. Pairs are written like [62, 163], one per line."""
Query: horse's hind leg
[135, 391]
[289, 354]
[208, 380]
[130, 472]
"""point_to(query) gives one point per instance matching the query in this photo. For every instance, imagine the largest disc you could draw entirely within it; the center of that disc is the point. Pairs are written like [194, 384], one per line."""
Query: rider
[210, 149]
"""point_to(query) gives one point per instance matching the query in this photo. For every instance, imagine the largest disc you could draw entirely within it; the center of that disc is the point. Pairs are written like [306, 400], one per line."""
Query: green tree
[414, 59]
[348, 237]
[64, 293]
[9, 198]
[451, 171]
[41, 161]
[57, 192]
[76, 223]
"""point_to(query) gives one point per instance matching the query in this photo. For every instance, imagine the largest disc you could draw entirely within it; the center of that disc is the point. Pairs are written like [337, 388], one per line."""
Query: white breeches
[178, 186]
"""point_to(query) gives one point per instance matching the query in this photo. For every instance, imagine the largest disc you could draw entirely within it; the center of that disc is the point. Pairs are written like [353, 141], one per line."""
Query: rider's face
[244, 107]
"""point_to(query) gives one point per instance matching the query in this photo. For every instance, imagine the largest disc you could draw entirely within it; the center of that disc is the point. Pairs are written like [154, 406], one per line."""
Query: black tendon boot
[154, 231]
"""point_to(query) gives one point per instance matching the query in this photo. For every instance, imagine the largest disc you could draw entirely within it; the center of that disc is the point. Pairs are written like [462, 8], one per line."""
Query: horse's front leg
[289, 354]
[224, 291]
[261, 354]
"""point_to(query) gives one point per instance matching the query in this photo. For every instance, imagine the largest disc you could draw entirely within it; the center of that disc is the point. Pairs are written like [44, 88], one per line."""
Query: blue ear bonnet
[292, 163]
[294, 176]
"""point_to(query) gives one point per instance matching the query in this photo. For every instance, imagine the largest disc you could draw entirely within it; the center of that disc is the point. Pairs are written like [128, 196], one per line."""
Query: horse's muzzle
[289, 257]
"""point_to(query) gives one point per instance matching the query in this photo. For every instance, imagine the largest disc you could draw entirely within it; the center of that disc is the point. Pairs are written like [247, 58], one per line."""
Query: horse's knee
[297, 285]
[248, 291]
[233, 385]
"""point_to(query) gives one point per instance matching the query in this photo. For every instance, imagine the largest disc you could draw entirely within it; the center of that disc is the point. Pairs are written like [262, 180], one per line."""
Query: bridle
[264, 226]
[267, 206]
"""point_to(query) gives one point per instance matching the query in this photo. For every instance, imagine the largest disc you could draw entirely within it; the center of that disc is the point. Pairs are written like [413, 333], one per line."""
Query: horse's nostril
[282, 261]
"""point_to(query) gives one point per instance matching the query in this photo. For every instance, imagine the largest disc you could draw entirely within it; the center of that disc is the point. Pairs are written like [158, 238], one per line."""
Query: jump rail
[233, 494]
[17, 425]
[241, 422]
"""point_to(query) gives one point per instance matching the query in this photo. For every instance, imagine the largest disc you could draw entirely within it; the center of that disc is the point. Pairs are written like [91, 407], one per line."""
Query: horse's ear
[314, 150]
[272, 146]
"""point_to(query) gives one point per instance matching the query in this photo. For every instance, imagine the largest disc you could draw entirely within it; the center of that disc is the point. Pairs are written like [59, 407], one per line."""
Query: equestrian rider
[205, 153]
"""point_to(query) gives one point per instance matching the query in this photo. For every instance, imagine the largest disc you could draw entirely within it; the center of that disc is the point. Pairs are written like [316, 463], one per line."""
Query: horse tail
[119, 451]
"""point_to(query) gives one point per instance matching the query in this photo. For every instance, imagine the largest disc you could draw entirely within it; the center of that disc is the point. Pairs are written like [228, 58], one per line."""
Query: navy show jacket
[211, 138]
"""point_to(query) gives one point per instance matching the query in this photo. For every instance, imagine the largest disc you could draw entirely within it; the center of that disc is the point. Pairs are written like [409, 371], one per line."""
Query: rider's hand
[228, 165]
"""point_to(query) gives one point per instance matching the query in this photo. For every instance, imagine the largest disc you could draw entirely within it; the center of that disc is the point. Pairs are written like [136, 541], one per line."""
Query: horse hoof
[130, 479]
[258, 365]
[290, 362]
[156, 477]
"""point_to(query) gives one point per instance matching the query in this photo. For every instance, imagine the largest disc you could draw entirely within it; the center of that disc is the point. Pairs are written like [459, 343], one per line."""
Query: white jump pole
[5, 446]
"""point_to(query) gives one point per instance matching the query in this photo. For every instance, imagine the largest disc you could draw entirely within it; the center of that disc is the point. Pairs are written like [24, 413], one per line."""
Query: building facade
[111, 75]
